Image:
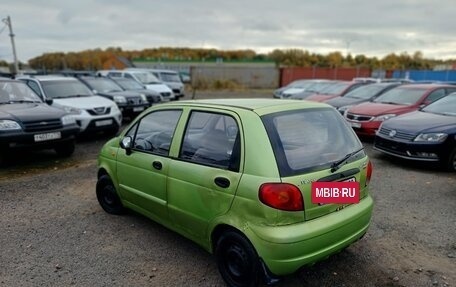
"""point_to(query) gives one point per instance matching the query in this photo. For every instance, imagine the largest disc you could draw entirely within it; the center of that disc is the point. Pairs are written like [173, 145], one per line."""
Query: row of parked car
[414, 121]
[49, 111]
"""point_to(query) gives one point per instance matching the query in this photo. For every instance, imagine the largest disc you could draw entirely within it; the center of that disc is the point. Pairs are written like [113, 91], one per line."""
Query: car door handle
[157, 165]
[222, 182]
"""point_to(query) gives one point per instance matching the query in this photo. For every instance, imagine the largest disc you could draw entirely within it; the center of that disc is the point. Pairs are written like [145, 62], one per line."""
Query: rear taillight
[281, 196]
[369, 172]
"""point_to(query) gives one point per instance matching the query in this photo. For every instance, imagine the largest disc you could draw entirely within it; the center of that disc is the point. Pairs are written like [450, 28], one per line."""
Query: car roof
[50, 78]
[424, 86]
[260, 106]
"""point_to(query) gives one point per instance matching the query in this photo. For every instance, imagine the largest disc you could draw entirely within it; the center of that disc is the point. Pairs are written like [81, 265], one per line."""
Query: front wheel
[107, 196]
[451, 163]
[65, 149]
[237, 260]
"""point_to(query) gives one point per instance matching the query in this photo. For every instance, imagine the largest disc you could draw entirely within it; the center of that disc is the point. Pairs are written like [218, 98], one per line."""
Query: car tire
[112, 132]
[65, 149]
[237, 260]
[451, 163]
[107, 196]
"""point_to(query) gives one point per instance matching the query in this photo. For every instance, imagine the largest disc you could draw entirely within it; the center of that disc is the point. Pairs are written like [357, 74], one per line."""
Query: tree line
[94, 59]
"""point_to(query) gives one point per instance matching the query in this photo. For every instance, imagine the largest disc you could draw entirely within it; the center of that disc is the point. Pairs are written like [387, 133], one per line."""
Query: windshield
[445, 106]
[318, 87]
[170, 77]
[146, 78]
[17, 92]
[65, 89]
[129, 84]
[365, 92]
[103, 85]
[335, 89]
[401, 96]
[309, 139]
[300, 84]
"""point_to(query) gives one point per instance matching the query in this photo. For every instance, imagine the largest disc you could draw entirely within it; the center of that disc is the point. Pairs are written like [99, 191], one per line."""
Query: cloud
[360, 27]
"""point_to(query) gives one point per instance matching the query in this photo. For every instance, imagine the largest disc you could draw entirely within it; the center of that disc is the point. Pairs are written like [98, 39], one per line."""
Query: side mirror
[126, 144]
[49, 101]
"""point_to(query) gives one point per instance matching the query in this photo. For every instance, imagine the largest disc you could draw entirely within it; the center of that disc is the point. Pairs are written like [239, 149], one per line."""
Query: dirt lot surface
[54, 233]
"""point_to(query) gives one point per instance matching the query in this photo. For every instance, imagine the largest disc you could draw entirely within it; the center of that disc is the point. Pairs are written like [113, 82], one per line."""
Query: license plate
[355, 125]
[47, 136]
[138, 109]
[103, 123]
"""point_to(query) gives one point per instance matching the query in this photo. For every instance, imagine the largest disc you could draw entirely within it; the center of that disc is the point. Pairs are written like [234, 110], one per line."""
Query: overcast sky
[372, 28]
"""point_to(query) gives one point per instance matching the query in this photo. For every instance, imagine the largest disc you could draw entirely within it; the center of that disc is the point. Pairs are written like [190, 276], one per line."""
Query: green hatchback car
[235, 177]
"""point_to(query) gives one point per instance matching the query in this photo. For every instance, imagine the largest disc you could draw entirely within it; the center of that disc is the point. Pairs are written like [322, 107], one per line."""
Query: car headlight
[120, 99]
[8, 125]
[115, 108]
[70, 110]
[68, 120]
[384, 117]
[431, 137]
[143, 97]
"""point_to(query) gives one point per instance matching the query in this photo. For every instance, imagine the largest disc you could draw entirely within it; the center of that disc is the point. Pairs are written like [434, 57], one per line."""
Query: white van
[169, 77]
[145, 78]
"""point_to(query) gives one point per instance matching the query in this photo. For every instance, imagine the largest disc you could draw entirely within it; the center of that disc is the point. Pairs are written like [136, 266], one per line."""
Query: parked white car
[92, 113]
[168, 77]
[145, 78]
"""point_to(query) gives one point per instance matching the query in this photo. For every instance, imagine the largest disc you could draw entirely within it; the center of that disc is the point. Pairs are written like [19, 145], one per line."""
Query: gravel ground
[53, 232]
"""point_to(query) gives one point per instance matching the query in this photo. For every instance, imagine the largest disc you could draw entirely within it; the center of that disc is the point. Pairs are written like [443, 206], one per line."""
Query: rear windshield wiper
[336, 165]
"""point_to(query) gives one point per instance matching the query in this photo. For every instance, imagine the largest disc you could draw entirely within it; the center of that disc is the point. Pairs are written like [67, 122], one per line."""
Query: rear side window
[212, 139]
[155, 131]
[309, 139]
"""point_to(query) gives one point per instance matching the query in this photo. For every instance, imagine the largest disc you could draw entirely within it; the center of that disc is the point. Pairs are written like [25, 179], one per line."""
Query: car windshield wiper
[390, 103]
[22, 101]
[75, 96]
[336, 165]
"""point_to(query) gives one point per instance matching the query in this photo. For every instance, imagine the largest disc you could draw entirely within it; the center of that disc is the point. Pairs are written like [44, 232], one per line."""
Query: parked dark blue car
[425, 135]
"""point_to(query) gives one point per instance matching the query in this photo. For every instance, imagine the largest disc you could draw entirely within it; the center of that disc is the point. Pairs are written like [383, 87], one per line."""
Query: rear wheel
[237, 260]
[107, 196]
[65, 149]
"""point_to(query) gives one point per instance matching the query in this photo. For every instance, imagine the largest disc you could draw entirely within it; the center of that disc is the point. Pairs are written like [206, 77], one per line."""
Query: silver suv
[92, 113]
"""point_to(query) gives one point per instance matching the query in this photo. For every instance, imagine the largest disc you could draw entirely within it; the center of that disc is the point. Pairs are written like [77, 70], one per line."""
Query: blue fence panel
[426, 75]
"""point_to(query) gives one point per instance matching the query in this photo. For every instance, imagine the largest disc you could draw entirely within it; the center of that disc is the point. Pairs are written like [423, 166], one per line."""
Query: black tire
[237, 260]
[65, 149]
[451, 163]
[113, 132]
[107, 196]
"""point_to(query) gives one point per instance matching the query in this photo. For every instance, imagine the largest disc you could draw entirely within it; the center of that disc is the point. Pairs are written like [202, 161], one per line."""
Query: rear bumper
[285, 249]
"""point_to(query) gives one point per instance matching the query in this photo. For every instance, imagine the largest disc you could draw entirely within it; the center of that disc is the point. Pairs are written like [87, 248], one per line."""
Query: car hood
[292, 91]
[85, 102]
[174, 85]
[377, 109]
[30, 112]
[344, 101]
[320, 97]
[416, 122]
[161, 88]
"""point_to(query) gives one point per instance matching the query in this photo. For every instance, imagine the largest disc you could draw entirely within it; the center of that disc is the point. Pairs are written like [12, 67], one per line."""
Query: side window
[34, 86]
[435, 95]
[212, 139]
[155, 131]
[450, 90]
[114, 74]
[128, 76]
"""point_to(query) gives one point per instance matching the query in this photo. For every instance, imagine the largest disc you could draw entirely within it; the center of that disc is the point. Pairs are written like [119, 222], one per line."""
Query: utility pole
[7, 21]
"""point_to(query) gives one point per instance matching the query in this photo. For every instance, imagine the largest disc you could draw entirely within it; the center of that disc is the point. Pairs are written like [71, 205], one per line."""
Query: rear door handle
[222, 182]
[157, 165]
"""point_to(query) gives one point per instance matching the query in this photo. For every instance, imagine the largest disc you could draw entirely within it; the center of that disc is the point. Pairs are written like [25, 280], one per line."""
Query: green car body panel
[183, 197]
